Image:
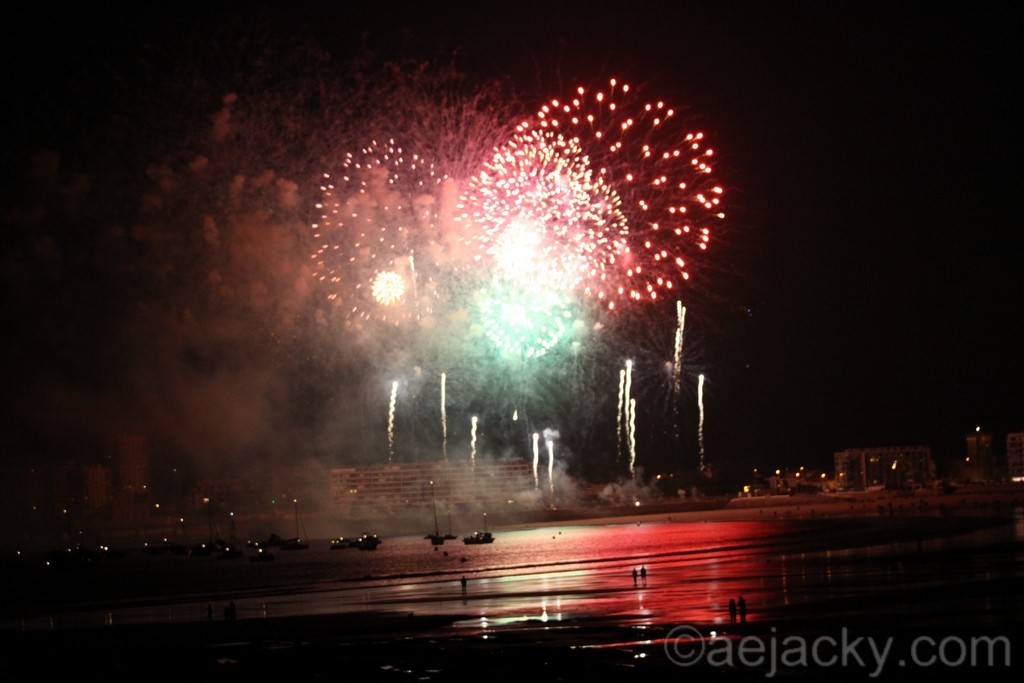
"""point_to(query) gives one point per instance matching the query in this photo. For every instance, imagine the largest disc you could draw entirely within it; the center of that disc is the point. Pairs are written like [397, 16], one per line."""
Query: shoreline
[408, 646]
[972, 499]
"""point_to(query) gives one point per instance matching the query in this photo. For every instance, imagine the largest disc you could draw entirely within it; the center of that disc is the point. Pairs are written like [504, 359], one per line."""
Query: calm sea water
[558, 573]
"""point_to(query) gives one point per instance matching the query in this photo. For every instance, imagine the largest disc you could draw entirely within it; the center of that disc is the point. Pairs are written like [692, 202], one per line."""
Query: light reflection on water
[543, 575]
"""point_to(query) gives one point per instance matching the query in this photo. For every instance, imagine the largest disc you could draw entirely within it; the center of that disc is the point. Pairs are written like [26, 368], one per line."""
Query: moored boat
[295, 543]
[478, 538]
[369, 541]
[262, 555]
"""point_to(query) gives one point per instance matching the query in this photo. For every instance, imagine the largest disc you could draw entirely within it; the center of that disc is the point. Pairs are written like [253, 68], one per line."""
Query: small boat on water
[295, 543]
[369, 542]
[479, 537]
[229, 551]
[366, 541]
[80, 555]
[201, 550]
[262, 555]
[435, 538]
[166, 547]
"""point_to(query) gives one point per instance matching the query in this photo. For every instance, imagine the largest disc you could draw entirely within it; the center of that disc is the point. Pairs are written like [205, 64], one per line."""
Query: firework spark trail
[412, 278]
[621, 417]
[551, 466]
[629, 404]
[391, 421]
[700, 423]
[444, 418]
[659, 176]
[536, 460]
[472, 441]
[677, 364]
[632, 436]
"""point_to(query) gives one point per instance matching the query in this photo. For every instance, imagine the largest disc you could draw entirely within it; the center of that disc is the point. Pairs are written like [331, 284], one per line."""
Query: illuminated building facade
[418, 484]
[890, 467]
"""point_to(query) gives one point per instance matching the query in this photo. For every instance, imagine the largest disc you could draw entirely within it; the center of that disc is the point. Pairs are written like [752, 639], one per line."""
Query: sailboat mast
[209, 515]
[433, 503]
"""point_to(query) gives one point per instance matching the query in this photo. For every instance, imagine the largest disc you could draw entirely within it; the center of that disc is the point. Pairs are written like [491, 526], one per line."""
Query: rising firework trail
[627, 408]
[632, 437]
[472, 441]
[677, 364]
[620, 416]
[700, 423]
[391, 421]
[444, 419]
[536, 460]
[551, 466]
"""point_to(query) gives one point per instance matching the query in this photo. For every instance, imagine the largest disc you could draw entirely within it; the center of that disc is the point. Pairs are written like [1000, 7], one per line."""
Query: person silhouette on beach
[742, 604]
[463, 584]
[732, 611]
[634, 575]
[643, 575]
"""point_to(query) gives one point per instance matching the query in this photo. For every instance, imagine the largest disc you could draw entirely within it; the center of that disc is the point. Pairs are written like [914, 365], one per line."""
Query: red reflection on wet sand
[551, 575]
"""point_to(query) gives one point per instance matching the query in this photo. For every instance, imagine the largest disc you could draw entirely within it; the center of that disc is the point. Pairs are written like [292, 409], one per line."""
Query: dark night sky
[871, 261]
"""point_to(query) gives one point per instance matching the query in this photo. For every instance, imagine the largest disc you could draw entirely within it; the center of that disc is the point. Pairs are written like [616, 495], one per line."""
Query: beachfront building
[97, 486]
[979, 465]
[419, 484]
[888, 467]
[131, 456]
[1015, 456]
[789, 481]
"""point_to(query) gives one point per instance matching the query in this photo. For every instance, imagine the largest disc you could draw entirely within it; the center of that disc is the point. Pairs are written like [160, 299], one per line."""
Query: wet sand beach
[851, 598]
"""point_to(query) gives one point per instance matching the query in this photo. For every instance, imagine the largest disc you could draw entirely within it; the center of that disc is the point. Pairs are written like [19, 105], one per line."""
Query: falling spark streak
[632, 436]
[700, 423]
[551, 466]
[412, 276]
[536, 459]
[391, 421]
[629, 405]
[677, 364]
[444, 420]
[472, 442]
[619, 426]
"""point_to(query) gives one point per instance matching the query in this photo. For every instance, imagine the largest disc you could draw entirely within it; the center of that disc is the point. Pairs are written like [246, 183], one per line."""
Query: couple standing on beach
[642, 574]
[740, 606]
